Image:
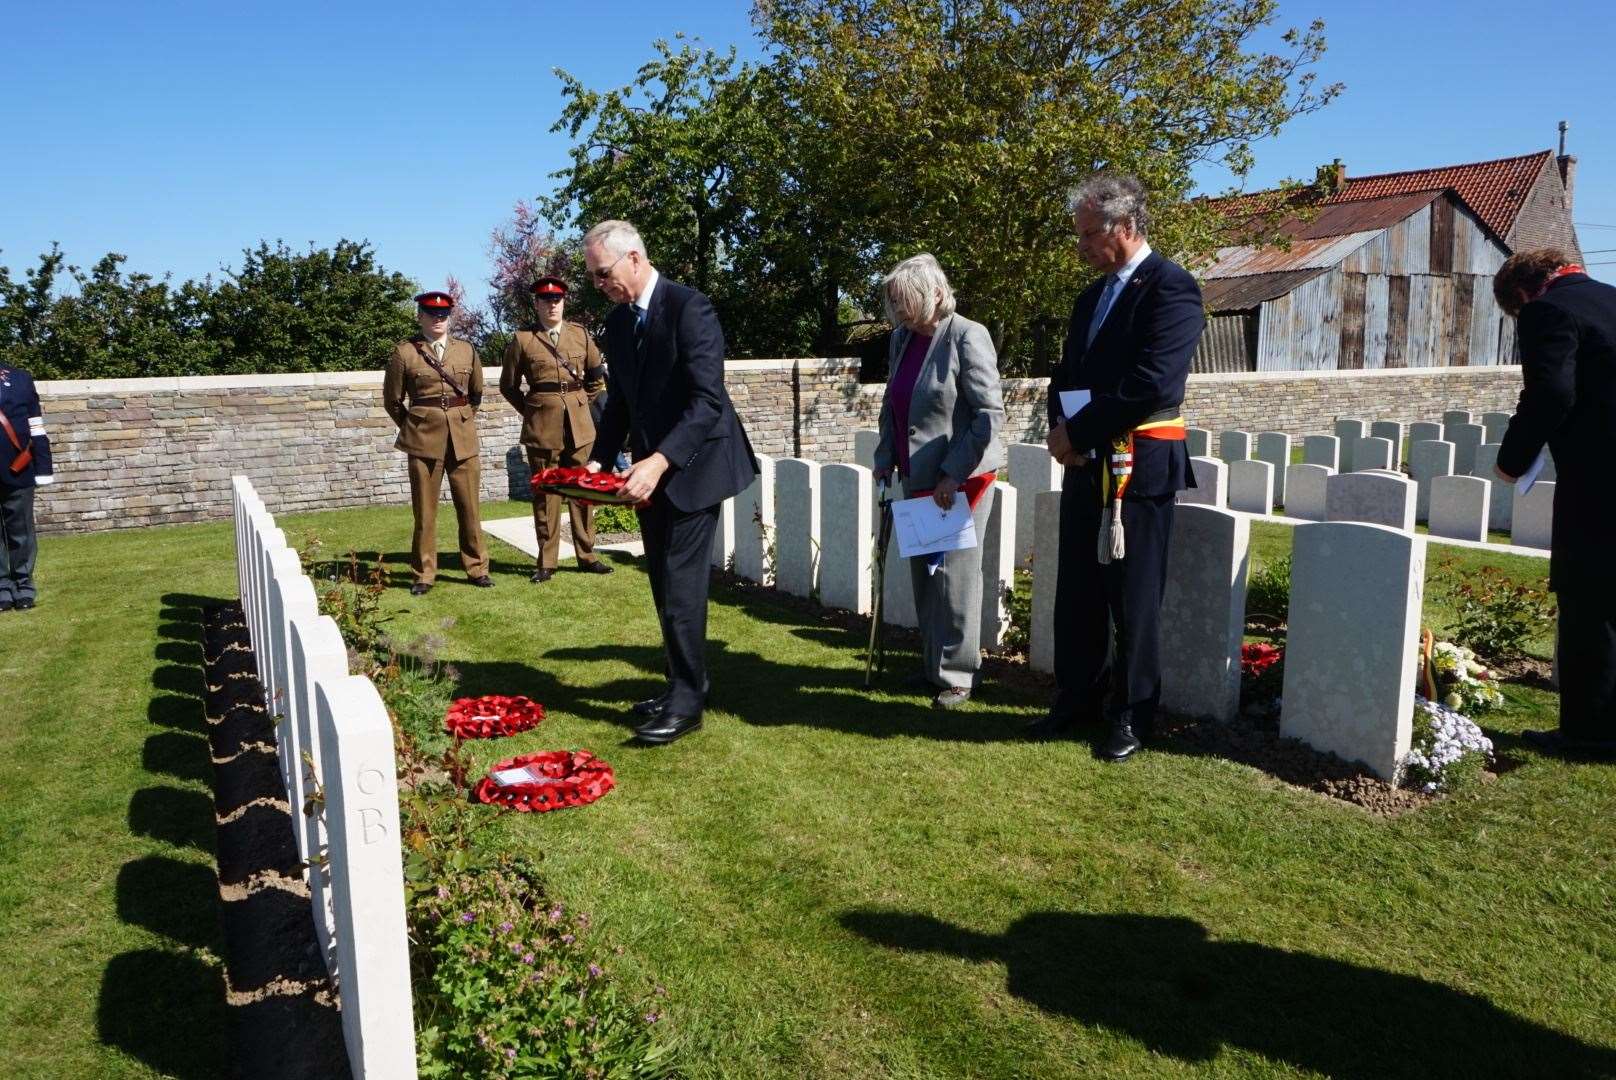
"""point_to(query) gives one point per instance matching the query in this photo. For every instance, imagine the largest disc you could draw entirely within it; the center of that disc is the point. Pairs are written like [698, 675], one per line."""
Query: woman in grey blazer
[940, 423]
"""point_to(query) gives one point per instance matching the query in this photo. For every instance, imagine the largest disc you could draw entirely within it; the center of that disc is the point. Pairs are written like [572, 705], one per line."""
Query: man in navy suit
[1129, 344]
[1567, 324]
[666, 397]
[25, 463]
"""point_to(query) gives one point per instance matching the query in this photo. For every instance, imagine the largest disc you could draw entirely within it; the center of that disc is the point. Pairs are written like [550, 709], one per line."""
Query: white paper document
[1529, 477]
[924, 527]
[528, 774]
[1072, 401]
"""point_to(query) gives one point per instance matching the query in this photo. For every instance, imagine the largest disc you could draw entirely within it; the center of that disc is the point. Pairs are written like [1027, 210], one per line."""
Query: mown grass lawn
[828, 882]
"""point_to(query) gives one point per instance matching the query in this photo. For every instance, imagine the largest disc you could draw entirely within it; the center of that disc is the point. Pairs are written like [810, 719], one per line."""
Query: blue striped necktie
[1102, 308]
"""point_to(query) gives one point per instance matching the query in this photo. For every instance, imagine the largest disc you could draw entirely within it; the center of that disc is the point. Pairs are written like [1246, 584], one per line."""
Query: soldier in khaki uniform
[562, 370]
[442, 380]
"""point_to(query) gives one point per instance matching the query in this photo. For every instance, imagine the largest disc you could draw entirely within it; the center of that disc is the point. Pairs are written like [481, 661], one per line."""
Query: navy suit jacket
[19, 400]
[1568, 400]
[668, 396]
[1137, 366]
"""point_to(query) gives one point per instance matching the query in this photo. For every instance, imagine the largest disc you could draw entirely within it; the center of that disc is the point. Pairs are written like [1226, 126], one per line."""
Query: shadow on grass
[1163, 982]
[165, 1009]
[176, 899]
[178, 754]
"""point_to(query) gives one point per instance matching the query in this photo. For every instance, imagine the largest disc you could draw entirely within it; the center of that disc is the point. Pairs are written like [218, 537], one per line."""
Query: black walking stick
[875, 657]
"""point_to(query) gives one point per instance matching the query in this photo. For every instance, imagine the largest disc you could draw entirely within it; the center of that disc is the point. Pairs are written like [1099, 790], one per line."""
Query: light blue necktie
[1103, 308]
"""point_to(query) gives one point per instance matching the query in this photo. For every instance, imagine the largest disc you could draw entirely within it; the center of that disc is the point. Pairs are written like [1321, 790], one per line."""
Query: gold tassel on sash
[1115, 472]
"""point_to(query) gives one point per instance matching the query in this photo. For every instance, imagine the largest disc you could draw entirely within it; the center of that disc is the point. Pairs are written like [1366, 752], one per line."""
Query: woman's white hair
[916, 292]
[616, 238]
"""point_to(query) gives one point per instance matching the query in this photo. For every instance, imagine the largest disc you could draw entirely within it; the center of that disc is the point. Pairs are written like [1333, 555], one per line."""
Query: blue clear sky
[179, 133]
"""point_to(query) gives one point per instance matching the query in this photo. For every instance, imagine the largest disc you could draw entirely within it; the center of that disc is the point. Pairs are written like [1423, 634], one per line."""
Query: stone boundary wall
[133, 452]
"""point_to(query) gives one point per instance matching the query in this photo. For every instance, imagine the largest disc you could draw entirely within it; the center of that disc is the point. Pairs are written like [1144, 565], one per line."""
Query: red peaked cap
[435, 302]
[549, 286]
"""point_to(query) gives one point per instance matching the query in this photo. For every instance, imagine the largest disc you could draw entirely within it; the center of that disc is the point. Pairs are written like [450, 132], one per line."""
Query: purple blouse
[902, 389]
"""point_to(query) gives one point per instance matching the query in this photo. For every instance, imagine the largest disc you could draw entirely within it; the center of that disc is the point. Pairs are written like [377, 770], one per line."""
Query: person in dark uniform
[25, 463]
[432, 390]
[562, 370]
[1129, 344]
[690, 452]
[1567, 334]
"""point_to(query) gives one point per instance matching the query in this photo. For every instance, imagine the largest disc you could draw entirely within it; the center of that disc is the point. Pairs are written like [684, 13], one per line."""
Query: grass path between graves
[828, 882]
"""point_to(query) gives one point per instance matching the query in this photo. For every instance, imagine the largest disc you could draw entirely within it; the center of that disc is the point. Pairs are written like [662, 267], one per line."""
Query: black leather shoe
[484, 582]
[666, 727]
[594, 566]
[541, 575]
[650, 707]
[7, 604]
[1048, 727]
[420, 588]
[1120, 745]
[25, 603]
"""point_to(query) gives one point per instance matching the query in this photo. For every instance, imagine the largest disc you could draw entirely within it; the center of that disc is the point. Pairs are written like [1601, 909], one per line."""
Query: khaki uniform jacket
[553, 419]
[431, 431]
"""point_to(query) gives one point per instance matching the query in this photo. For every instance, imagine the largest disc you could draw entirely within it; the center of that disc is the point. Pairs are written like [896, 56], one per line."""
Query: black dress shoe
[7, 604]
[25, 603]
[541, 575]
[420, 588]
[666, 727]
[1048, 727]
[650, 707]
[1120, 745]
[594, 566]
[484, 582]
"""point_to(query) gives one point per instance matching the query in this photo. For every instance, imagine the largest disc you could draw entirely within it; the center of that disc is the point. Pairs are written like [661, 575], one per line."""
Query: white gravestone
[291, 596]
[865, 440]
[1198, 441]
[1305, 487]
[1456, 416]
[796, 526]
[1274, 447]
[1234, 445]
[724, 536]
[279, 563]
[1392, 432]
[1424, 431]
[1322, 450]
[1374, 498]
[1203, 612]
[1465, 439]
[367, 878]
[1428, 459]
[1494, 424]
[1211, 483]
[1372, 453]
[998, 563]
[898, 593]
[1352, 644]
[319, 655]
[1533, 516]
[1501, 503]
[846, 549]
[1349, 431]
[1032, 471]
[1459, 507]
[754, 525]
[1251, 487]
[1045, 575]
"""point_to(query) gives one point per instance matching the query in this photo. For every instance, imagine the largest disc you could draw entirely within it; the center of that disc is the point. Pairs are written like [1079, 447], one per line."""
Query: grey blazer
[956, 412]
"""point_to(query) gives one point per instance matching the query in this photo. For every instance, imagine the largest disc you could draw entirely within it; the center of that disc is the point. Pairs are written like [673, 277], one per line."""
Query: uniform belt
[557, 388]
[440, 402]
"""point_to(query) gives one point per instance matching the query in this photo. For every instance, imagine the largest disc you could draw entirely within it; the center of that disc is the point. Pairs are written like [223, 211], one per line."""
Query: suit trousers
[678, 545]
[1108, 617]
[18, 544]
[426, 482]
[948, 606]
[1587, 664]
[547, 508]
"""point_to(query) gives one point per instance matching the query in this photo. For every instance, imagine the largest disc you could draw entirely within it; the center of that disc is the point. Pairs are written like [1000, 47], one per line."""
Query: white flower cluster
[1466, 683]
[1450, 738]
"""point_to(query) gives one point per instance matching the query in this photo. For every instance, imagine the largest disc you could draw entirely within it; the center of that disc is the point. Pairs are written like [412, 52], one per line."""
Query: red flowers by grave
[1257, 657]
[492, 715]
[578, 483]
[548, 780]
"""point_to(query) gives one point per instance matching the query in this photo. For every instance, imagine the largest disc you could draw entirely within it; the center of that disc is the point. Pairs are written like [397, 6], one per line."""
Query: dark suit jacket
[1137, 366]
[669, 396]
[1568, 364]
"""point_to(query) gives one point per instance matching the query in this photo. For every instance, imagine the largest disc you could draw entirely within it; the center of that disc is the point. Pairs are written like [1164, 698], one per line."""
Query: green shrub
[1018, 599]
[1496, 616]
[1268, 590]
[616, 519]
[506, 988]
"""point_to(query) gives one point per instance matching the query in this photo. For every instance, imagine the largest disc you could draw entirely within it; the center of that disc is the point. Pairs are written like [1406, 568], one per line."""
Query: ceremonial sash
[25, 451]
[1115, 472]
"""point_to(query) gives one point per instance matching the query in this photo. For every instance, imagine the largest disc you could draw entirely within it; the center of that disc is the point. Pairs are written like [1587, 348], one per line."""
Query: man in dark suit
[1567, 334]
[666, 397]
[1129, 344]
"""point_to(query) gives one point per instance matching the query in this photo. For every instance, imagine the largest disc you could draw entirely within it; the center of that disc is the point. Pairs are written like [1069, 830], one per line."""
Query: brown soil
[285, 1019]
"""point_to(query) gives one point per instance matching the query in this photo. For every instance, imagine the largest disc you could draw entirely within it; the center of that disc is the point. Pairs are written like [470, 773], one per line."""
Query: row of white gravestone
[335, 744]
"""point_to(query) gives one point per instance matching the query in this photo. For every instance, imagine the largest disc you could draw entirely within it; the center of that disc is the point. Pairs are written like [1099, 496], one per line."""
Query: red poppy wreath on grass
[548, 780]
[578, 483]
[491, 715]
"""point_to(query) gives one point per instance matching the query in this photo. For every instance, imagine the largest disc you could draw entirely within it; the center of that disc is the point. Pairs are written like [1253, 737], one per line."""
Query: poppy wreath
[491, 715]
[571, 778]
[1257, 657]
[578, 483]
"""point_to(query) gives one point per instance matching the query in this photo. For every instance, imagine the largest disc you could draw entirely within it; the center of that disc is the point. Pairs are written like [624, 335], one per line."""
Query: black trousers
[1108, 617]
[18, 545]
[678, 546]
[1587, 664]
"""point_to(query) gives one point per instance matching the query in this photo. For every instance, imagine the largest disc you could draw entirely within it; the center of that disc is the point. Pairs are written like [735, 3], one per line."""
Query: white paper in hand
[923, 527]
[1529, 477]
[1072, 401]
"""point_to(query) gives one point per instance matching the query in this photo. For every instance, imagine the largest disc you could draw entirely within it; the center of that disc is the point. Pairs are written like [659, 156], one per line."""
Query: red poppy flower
[579, 484]
[491, 715]
[547, 780]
